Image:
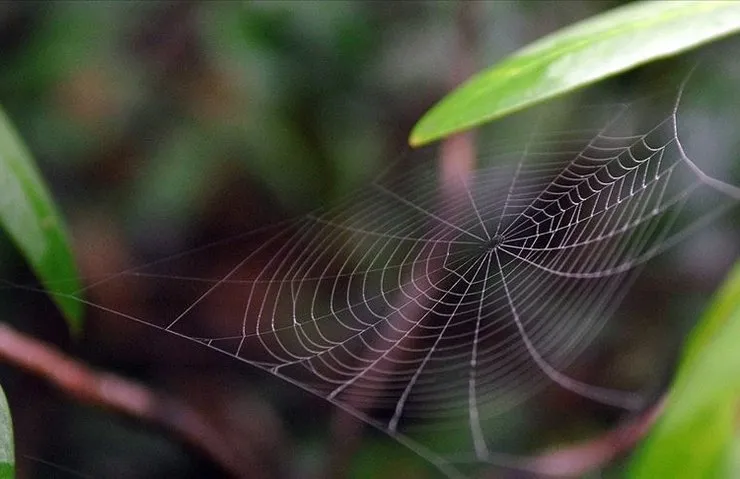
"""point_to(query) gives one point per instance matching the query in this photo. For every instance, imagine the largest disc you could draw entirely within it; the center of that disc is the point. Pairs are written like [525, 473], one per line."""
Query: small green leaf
[576, 56]
[29, 217]
[7, 454]
[696, 435]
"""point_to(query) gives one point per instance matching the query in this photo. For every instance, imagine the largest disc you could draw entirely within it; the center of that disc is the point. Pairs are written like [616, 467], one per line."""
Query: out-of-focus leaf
[7, 454]
[29, 217]
[578, 55]
[725, 304]
[695, 437]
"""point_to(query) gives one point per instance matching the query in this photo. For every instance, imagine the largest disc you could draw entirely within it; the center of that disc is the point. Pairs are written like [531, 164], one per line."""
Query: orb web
[425, 310]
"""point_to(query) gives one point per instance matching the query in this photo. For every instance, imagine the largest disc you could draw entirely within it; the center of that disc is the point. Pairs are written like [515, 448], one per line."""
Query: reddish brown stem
[577, 460]
[118, 394]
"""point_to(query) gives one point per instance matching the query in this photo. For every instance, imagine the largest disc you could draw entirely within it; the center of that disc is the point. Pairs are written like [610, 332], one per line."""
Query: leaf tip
[416, 141]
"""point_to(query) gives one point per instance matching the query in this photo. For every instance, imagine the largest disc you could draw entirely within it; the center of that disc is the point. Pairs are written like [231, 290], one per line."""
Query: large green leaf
[28, 215]
[7, 454]
[578, 55]
[695, 437]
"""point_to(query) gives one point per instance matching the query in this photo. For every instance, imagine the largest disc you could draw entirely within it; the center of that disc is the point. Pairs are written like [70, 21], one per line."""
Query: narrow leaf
[29, 217]
[7, 454]
[695, 437]
[576, 56]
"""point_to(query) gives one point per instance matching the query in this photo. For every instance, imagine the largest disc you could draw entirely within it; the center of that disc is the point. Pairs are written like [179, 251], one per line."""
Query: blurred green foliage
[104, 88]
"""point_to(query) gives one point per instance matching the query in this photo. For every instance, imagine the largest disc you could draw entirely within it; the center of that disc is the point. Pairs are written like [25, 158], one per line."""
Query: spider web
[426, 312]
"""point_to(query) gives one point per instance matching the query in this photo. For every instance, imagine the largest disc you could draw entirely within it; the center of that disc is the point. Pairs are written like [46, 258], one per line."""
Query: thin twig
[120, 395]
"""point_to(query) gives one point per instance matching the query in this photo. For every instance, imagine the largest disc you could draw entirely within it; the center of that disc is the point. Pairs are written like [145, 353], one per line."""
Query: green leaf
[29, 217]
[576, 56]
[7, 455]
[696, 435]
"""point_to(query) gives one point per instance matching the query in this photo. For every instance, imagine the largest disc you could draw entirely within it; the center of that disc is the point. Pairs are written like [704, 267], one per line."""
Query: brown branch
[120, 395]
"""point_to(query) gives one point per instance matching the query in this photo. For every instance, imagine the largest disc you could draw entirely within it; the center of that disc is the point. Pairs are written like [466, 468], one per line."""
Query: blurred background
[162, 126]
